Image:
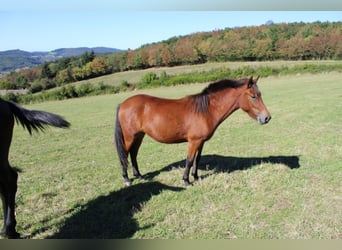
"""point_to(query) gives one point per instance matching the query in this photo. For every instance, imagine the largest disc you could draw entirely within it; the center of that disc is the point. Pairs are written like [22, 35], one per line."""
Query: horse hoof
[187, 183]
[12, 235]
[139, 177]
[142, 178]
[128, 183]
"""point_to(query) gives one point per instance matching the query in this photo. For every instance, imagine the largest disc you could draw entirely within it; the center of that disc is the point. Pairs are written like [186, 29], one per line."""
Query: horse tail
[119, 141]
[36, 119]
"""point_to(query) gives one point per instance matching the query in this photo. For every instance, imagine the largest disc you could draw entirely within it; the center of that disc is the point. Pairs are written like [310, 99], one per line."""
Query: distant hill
[67, 52]
[12, 60]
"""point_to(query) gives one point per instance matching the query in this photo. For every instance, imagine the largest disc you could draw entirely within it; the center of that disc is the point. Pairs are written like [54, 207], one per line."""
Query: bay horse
[191, 119]
[32, 120]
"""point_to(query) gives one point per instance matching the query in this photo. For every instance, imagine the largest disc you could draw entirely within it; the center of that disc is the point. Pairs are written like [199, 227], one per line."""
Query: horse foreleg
[188, 164]
[194, 172]
[193, 148]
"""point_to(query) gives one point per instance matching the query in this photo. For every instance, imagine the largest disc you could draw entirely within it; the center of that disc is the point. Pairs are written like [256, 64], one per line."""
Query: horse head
[251, 102]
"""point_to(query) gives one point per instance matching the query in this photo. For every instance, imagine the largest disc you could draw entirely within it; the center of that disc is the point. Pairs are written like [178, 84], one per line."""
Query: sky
[39, 25]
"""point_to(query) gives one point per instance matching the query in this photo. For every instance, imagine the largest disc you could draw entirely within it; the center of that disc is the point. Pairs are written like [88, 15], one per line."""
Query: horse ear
[250, 82]
[255, 80]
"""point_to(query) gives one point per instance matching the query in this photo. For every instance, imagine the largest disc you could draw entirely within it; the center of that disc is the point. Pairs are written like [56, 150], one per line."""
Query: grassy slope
[134, 77]
[281, 180]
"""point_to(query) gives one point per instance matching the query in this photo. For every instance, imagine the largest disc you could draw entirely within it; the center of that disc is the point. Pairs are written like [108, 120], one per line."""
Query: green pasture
[277, 181]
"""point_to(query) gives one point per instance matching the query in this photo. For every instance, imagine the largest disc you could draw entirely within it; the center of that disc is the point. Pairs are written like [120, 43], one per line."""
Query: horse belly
[166, 138]
[166, 129]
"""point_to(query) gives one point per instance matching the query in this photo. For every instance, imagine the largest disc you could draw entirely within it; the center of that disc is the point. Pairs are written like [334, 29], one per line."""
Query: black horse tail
[119, 141]
[36, 119]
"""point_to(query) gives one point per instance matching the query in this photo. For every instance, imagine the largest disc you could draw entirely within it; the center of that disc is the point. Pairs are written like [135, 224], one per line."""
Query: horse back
[147, 107]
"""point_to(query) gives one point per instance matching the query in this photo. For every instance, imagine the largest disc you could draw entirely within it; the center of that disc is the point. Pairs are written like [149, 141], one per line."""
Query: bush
[9, 96]
[84, 89]
[125, 85]
[36, 87]
[149, 78]
[163, 76]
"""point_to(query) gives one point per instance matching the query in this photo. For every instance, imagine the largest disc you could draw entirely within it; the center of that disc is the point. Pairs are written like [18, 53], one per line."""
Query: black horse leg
[193, 148]
[134, 152]
[8, 192]
[11, 221]
[127, 181]
[4, 208]
[194, 172]
[188, 164]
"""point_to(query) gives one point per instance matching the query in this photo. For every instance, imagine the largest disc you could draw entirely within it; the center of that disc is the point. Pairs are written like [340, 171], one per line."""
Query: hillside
[67, 52]
[12, 60]
[271, 42]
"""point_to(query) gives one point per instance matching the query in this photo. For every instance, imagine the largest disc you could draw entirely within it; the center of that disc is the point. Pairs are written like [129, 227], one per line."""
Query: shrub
[84, 89]
[124, 85]
[36, 87]
[149, 78]
[9, 96]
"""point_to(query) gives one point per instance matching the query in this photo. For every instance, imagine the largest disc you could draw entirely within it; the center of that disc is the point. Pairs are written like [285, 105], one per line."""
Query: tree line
[292, 41]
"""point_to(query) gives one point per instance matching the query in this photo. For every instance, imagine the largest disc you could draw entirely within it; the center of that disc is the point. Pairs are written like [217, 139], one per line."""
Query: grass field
[281, 180]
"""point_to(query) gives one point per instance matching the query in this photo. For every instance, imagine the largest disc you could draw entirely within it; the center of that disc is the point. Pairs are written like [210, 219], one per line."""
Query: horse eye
[253, 96]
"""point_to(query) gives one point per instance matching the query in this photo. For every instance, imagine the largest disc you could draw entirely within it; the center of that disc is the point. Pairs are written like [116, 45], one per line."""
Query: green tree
[46, 71]
[21, 82]
[5, 84]
[87, 57]
[137, 61]
[63, 63]
[64, 76]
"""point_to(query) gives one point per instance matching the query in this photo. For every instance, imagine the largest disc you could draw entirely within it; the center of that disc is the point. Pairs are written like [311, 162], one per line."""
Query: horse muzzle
[264, 119]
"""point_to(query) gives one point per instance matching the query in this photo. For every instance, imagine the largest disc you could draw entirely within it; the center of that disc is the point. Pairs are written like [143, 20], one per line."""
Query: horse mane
[201, 100]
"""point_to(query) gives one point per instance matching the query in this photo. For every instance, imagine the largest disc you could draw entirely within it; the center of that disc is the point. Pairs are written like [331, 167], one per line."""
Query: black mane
[201, 100]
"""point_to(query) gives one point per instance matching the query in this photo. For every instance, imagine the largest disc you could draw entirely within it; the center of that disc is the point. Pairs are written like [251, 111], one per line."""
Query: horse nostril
[263, 119]
[267, 119]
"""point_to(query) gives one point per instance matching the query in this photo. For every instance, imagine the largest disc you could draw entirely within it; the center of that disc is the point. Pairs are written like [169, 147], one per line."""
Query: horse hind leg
[122, 143]
[134, 152]
[8, 189]
[132, 143]
[123, 157]
[127, 181]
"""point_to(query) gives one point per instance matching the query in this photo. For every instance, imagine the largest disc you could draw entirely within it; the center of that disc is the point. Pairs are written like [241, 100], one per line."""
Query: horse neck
[223, 104]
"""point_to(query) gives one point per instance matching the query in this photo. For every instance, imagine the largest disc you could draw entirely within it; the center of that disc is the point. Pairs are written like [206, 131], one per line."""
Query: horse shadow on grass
[111, 216]
[228, 164]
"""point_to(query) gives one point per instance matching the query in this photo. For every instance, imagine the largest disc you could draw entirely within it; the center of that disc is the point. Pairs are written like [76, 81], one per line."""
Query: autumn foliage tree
[292, 41]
